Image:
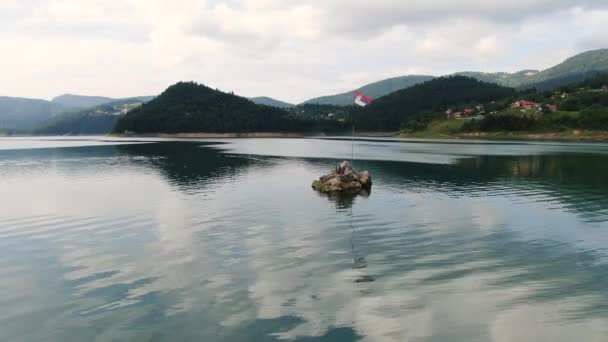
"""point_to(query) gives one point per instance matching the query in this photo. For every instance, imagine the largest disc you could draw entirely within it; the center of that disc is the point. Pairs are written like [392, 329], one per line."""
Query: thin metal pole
[352, 148]
[352, 238]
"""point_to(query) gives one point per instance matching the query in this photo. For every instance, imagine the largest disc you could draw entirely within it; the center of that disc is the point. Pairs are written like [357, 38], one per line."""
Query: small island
[344, 179]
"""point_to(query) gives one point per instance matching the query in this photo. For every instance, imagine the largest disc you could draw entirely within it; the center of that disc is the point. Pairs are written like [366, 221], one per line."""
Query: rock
[344, 179]
[344, 168]
[366, 180]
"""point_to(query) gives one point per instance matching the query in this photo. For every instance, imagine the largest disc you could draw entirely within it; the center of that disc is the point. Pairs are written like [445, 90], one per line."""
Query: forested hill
[190, 107]
[391, 112]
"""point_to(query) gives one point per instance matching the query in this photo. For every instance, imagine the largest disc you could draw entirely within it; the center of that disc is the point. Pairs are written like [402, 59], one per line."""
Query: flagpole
[361, 101]
[352, 147]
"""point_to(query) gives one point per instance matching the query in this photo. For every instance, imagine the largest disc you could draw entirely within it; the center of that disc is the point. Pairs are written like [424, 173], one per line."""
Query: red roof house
[525, 104]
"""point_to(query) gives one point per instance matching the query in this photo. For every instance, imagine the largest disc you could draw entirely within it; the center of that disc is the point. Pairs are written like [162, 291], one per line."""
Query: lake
[156, 240]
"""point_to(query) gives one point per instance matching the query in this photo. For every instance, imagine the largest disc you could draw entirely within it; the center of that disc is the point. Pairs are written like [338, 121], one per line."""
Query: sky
[291, 50]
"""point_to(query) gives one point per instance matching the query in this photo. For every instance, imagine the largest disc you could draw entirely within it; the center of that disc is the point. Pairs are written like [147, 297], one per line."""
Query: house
[605, 87]
[525, 104]
[564, 95]
[448, 113]
[457, 115]
[469, 111]
[552, 108]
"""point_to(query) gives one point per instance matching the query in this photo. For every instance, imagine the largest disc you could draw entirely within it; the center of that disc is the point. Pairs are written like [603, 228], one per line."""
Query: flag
[362, 100]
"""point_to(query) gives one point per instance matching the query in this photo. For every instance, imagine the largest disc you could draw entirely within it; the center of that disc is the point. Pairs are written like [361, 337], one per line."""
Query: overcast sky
[287, 49]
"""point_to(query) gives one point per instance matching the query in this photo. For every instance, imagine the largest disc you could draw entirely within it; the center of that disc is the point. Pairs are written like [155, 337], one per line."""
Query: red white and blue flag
[362, 100]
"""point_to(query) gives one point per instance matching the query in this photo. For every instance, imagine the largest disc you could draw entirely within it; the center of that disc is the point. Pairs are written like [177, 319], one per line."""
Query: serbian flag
[362, 100]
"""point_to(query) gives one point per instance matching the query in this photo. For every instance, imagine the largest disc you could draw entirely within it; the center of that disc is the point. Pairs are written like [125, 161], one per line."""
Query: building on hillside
[552, 108]
[526, 104]
[564, 95]
[605, 87]
[469, 111]
[448, 113]
[457, 115]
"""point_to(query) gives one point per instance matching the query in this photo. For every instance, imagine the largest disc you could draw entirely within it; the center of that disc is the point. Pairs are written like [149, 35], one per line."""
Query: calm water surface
[105, 240]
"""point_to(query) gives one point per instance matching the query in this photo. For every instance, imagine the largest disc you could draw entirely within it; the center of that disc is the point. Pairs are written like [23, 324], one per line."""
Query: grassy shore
[446, 129]
[574, 135]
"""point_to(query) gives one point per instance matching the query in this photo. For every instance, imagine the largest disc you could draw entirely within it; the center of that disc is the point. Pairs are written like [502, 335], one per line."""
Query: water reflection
[343, 200]
[189, 166]
[571, 182]
[178, 241]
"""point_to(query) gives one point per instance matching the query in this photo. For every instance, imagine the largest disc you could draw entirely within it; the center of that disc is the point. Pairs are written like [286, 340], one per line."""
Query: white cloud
[290, 50]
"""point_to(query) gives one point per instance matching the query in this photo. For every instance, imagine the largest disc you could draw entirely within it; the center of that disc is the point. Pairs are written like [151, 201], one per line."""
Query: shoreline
[575, 135]
[252, 135]
[217, 135]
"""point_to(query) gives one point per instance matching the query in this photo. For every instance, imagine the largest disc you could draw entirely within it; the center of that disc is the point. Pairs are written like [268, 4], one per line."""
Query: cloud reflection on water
[177, 238]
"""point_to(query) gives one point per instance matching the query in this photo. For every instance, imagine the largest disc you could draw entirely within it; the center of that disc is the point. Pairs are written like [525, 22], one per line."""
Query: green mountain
[396, 110]
[96, 120]
[506, 79]
[586, 62]
[558, 82]
[21, 114]
[191, 107]
[572, 70]
[373, 90]
[267, 101]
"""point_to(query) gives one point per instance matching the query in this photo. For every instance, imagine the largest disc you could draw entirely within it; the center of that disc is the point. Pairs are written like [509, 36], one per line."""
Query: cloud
[291, 50]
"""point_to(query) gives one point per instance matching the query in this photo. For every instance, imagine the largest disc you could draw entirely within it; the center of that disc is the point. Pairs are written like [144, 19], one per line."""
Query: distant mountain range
[580, 66]
[71, 101]
[267, 101]
[505, 79]
[99, 119]
[373, 90]
[26, 115]
[188, 107]
[574, 69]
[23, 114]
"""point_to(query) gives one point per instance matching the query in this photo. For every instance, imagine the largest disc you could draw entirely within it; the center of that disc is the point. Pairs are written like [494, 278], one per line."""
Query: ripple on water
[181, 242]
